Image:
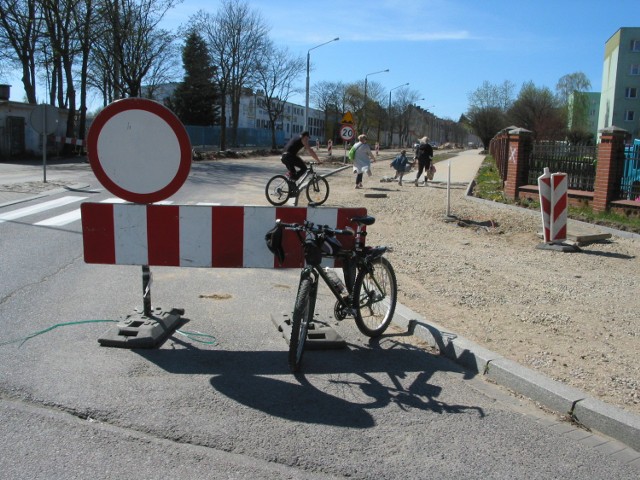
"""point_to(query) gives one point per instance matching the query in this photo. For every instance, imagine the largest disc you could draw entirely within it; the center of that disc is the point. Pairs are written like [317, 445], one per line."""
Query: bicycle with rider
[290, 156]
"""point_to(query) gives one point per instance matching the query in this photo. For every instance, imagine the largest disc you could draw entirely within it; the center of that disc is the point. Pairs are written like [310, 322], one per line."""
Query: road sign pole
[44, 145]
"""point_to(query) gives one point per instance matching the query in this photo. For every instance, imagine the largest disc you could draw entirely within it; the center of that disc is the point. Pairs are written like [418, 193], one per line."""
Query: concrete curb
[562, 399]
[586, 411]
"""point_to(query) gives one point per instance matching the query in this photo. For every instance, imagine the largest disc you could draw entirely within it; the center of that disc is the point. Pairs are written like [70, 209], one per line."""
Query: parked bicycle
[368, 294]
[281, 188]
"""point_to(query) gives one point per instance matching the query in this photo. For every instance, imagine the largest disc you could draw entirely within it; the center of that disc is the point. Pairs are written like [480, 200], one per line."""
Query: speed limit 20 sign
[347, 133]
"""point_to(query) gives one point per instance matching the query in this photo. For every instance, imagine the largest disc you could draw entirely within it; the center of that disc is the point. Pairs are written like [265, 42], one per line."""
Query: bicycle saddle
[364, 220]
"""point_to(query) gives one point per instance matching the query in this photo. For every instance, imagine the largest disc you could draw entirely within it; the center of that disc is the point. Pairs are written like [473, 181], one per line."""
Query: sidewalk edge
[562, 399]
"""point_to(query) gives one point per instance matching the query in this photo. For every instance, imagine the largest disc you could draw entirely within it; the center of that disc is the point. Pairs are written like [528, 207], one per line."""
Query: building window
[634, 69]
[635, 45]
[631, 92]
[629, 115]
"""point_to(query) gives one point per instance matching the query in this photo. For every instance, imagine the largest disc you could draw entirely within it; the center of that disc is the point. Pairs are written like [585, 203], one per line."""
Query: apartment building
[620, 96]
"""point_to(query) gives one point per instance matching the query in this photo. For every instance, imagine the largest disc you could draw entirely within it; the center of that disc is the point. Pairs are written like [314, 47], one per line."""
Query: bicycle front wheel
[375, 294]
[317, 190]
[278, 190]
[302, 316]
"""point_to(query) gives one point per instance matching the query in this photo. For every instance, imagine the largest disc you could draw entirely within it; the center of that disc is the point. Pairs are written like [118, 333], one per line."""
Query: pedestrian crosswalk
[57, 218]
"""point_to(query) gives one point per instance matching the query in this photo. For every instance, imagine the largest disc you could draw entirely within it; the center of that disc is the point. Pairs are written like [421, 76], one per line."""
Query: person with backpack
[424, 154]
[362, 157]
[399, 164]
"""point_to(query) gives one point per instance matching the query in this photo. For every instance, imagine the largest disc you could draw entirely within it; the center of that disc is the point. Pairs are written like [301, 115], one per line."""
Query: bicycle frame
[352, 261]
[309, 171]
[365, 292]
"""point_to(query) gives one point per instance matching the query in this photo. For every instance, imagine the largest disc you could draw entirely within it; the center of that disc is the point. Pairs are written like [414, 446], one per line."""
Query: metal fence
[246, 137]
[630, 183]
[577, 161]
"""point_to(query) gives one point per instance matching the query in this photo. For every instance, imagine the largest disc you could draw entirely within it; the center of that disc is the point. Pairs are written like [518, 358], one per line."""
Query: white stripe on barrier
[130, 221]
[257, 221]
[195, 237]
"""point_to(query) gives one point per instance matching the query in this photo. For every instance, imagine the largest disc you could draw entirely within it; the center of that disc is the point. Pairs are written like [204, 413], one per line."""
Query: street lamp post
[306, 103]
[389, 111]
[364, 114]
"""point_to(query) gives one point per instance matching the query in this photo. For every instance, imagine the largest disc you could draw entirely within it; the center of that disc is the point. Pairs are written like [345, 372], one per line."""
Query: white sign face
[346, 132]
[139, 150]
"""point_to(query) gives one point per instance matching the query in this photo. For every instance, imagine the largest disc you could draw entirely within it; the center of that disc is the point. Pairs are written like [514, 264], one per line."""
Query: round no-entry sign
[139, 150]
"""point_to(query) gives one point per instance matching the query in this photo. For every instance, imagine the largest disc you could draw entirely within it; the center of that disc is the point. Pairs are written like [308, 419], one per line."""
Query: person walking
[399, 164]
[424, 155]
[362, 159]
[291, 159]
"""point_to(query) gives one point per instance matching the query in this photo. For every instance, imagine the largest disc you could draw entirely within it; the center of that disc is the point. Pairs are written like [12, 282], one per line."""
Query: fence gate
[630, 184]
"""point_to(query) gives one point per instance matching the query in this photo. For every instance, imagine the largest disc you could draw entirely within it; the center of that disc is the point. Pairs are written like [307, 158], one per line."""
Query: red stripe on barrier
[294, 254]
[227, 237]
[163, 235]
[98, 233]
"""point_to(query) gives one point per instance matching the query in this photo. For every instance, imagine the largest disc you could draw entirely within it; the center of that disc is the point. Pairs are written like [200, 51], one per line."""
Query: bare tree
[21, 22]
[132, 49]
[85, 21]
[488, 105]
[402, 110]
[275, 75]
[62, 39]
[327, 97]
[237, 37]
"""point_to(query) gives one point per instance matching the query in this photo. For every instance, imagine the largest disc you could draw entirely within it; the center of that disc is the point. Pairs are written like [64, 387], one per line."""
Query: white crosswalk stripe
[41, 207]
[62, 219]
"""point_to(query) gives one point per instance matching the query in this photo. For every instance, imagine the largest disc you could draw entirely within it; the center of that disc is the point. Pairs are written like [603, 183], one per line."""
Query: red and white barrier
[73, 141]
[559, 205]
[199, 235]
[553, 205]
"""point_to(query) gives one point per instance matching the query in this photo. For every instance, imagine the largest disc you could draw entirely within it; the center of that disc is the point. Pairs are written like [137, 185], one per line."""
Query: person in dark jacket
[290, 157]
[424, 154]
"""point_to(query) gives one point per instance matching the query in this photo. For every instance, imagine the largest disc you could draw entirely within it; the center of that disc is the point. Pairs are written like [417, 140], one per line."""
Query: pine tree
[196, 101]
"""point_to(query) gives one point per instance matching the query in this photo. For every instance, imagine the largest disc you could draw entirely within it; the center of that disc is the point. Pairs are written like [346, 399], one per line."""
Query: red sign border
[347, 125]
[165, 114]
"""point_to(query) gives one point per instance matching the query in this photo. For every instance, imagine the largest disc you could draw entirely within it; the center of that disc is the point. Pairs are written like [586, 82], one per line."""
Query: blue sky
[445, 49]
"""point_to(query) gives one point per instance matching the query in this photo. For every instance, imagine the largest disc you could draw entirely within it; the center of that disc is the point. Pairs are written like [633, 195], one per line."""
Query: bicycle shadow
[337, 388]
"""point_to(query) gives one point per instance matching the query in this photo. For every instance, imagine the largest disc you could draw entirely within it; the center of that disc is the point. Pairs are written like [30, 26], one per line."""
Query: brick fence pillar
[520, 142]
[609, 168]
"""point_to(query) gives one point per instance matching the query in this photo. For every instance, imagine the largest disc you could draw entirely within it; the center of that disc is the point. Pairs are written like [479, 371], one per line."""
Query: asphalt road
[384, 408]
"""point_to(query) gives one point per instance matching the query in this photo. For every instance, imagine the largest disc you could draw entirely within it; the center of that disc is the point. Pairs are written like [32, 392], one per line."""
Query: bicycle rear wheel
[317, 190]
[375, 295]
[278, 190]
[302, 316]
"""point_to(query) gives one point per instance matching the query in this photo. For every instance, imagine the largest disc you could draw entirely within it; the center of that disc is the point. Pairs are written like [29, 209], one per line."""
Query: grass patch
[489, 187]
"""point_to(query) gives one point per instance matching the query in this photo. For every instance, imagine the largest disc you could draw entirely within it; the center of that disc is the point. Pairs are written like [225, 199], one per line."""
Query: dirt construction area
[573, 317]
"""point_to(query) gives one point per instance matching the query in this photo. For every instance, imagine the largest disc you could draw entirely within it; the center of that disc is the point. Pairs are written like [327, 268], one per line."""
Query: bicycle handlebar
[310, 227]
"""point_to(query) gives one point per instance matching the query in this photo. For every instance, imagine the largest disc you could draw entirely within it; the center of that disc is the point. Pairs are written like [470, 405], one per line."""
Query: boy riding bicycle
[290, 156]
